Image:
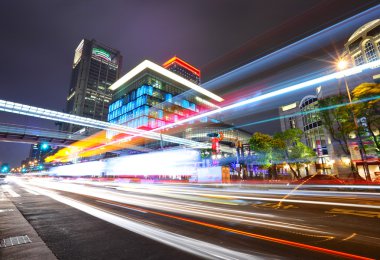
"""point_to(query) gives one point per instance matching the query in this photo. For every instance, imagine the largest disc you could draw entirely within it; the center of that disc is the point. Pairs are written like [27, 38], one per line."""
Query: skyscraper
[95, 68]
[183, 69]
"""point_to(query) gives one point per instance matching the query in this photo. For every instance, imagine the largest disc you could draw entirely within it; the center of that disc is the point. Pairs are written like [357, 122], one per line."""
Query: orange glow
[248, 234]
[183, 64]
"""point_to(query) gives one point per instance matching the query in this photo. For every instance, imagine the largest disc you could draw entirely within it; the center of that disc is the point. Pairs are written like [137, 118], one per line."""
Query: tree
[337, 119]
[285, 146]
[366, 97]
[296, 153]
[261, 144]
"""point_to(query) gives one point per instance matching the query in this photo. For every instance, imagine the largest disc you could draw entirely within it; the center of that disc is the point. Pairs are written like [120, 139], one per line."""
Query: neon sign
[183, 64]
[100, 53]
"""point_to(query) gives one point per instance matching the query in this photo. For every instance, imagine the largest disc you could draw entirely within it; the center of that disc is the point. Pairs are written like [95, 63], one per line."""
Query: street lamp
[341, 65]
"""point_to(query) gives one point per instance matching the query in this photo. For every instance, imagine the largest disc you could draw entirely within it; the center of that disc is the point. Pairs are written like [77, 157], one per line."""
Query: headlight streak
[302, 113]
[169, 162]
[309, 83]
[176, 207]
[184, 243]
[190, 245]
[297, 192]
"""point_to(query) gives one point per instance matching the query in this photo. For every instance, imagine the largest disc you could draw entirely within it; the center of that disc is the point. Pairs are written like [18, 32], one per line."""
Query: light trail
[297, 48]
[266, 238]
[309, 83]
[190, 245]
[174, 206]
[156, 234]
[304, 112]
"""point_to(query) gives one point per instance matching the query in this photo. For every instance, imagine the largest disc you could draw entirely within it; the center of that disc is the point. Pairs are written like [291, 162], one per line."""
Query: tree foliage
[282, 147]
[294, 152]
[337, 119]
[261, 144]
[366, 99]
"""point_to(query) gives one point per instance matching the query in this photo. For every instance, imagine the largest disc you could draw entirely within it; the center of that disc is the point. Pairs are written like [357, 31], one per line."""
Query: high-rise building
[184, 69]
[95, 68]
[38, 151]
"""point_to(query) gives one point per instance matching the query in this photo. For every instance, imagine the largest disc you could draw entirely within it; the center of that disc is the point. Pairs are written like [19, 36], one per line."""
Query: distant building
[364, 44]
[38, 151]
[183, 69]
[303, 115]
[95, 68]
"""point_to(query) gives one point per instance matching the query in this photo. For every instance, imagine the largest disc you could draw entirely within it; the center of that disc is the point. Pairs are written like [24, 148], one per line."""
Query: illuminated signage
[288, 107]
[183, 64]
[100, 53]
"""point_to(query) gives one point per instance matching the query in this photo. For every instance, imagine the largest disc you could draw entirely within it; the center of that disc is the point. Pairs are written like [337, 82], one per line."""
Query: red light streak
[249, 234]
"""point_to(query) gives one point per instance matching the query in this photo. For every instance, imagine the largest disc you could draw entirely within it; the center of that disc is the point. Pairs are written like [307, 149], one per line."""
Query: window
[370, 51]
[358, 59]
[292, 122]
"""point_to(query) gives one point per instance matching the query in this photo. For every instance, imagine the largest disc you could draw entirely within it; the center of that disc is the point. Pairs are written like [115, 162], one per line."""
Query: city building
[150, 96]
[38, 151]
[183, 69]
[304, 116]
[95, 68]
[364, 44]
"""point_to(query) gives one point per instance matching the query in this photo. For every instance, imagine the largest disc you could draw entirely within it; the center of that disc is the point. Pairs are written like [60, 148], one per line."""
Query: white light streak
[336, 75]
[190, 245]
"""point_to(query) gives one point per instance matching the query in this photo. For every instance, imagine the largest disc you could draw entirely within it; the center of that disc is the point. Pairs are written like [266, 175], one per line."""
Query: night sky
[39, 37]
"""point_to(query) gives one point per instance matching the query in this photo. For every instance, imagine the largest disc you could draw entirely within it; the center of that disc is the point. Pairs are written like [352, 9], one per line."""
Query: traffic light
[5, 168]
[44, 146]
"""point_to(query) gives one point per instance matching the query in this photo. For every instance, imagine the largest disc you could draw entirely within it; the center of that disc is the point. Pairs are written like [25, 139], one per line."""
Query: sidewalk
[25, 242]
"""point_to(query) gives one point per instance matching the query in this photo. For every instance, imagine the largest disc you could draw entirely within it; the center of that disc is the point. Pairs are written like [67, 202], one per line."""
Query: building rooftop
[148, 65]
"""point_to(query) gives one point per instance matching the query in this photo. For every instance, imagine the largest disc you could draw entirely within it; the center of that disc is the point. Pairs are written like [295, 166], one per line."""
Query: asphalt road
[86, 220]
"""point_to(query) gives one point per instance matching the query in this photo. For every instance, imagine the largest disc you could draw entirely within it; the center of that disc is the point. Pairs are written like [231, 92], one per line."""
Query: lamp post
[343, 64]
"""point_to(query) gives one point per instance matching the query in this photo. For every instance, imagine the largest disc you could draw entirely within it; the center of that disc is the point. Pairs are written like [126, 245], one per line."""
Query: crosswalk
[8, 191]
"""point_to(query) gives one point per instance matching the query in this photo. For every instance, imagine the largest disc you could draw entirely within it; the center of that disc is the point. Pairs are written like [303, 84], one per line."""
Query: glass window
[358, 59]
[370, 51]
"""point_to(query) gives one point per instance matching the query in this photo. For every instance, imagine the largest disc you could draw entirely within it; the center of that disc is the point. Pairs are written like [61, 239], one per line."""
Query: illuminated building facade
[183, 69]
[150, 99]
[150, 96]
[95, 68]
[364, 44]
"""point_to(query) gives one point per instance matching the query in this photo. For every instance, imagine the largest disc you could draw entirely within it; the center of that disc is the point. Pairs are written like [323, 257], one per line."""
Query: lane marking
[240, 232]
[262, 237]
[30, 191]
[9, 190]
[124, 207]
[360, 213]
[187, 244]
[349, 237]
[274, 206]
